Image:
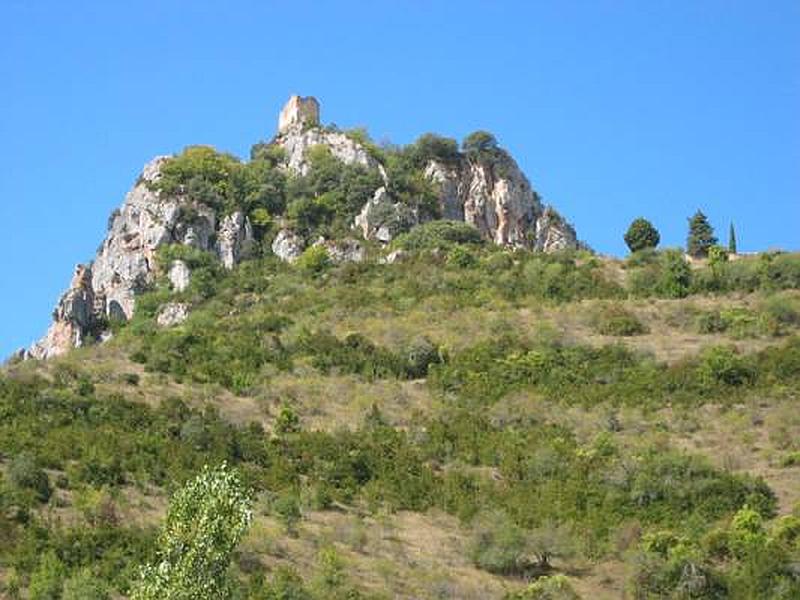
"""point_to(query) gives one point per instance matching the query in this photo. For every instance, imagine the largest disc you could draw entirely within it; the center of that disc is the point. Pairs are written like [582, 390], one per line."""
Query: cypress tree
[732, 240]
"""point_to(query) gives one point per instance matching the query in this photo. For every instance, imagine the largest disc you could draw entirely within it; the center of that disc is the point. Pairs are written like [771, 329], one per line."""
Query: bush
[25, 473]
[84, 586]
[439, 235]
[498, 544]
[723, 365]
[314, 259]
[616, 320]
[287, 509]
[553, 587]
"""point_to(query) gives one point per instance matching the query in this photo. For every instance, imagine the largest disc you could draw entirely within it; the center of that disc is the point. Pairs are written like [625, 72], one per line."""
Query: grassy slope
[422, 555]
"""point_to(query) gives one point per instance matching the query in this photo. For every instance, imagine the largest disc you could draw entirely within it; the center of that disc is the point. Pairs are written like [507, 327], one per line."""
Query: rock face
[382, 218]
[496, 197]
[74, 318]
[125, 264]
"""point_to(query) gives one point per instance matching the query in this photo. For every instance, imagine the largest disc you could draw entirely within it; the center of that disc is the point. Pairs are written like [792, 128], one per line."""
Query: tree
[205, 521]
[641, 234]
[731, 240]
[676, 275]
[479, 142]
[701, 236]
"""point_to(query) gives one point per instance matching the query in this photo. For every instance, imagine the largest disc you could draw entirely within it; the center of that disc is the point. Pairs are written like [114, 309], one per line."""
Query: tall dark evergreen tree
[732, 240]
[701, 236]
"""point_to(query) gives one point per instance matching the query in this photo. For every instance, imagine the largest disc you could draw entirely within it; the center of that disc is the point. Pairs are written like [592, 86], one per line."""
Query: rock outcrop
[125, 263]
[287, 245]
[489, 191]
[495, 196]
[74, 318]
[382, 218]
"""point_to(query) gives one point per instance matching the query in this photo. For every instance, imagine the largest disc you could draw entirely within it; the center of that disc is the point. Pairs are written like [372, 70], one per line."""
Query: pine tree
[701, 236]
[732, 240]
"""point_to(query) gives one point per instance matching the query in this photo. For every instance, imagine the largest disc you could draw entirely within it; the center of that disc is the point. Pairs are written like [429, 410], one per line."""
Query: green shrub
[723, 365]
[498, 544]
[84, 586]
[25, 473]
[438, 235]
[551, 587]
[616, 320]
[314, 259]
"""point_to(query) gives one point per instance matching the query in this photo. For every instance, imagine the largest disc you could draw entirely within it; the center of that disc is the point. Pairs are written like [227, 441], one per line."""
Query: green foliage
[641, 235]
[439, 234]
[478, 143]
[430, 146]
[732, 240]
[552, 587]
[675, 275]
[498, 545]
[205, 521]
[287, 509]
[723, 365]
[314, 259]
[47, 581]
[85, 586]
[615, 320]
[701, 236]
[24, 473]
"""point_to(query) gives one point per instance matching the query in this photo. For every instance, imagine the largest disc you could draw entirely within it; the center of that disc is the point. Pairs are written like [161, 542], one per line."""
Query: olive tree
[205, 521]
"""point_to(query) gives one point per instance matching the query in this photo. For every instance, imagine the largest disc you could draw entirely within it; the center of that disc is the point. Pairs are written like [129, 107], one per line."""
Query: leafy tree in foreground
[205, 521]
[701, 236]
[641, 234]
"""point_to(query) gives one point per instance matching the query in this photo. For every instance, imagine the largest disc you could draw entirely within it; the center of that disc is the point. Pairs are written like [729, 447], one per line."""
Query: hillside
[458, 403]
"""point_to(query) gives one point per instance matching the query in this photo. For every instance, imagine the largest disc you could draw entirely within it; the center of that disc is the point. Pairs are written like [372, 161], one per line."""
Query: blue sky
[613, 109]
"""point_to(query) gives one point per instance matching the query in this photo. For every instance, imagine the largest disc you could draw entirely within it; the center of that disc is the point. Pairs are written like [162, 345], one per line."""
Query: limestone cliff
[125, 263]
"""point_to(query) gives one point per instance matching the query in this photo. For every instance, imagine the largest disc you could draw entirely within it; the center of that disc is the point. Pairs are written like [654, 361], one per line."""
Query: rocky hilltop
[488, 191]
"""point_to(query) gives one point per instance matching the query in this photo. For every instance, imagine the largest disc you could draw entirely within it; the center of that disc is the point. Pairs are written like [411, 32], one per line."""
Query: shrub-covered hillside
[467, 422]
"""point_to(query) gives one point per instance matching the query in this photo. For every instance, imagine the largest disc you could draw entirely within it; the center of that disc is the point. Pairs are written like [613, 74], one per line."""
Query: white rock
[497, 198]
[341, 251]
[179, 275]
[287, 245]
[172, 313]
[234, 239]
[382, 219]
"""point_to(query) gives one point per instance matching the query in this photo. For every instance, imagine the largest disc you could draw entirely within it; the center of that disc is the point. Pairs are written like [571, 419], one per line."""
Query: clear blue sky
[614, 109]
